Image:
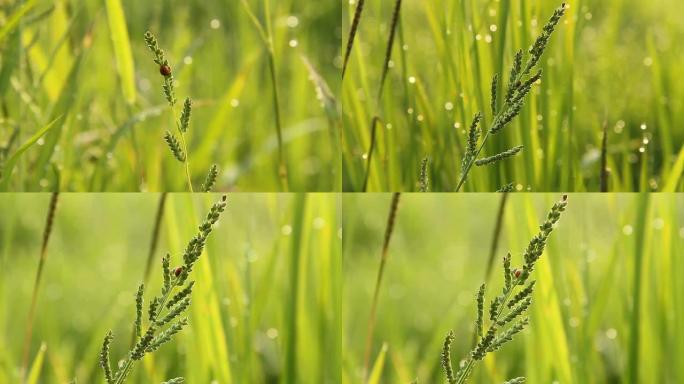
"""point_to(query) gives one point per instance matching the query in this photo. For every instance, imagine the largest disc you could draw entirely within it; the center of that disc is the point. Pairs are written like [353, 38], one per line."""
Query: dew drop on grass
[457, 125]
[627, 230]
[292, 21]
[293, 43]
[643, 126]
[648, 61]
[658, 223]
[286, 230]
[488, 38]
[410, 111]
[574, 322]
[390, 64]
[272, 333]
[405, 47]
[234, 103]
[611, 333]
[214, 23]
[364, 156]
[187, 60]
[419, 117]
[478, 37]
[319, 223]
[492, 28]
[412, 80]
[448, 106]
[388, 126]
[40, 141]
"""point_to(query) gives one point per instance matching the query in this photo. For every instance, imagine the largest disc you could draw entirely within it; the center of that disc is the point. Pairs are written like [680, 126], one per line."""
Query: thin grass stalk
[604, 158]
[352, 34]
[374, 124]
[390, 45]
[391, 219]
[267, 38]
[155, 237]
[153, 249]
[385, 70]
[47, 231]
[635, 318]
[496, 236]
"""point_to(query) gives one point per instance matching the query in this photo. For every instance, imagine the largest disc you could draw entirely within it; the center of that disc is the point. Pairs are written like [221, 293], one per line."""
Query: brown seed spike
[165, 70]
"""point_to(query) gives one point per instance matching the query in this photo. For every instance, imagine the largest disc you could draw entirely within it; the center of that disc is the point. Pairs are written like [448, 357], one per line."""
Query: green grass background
[85, 67]
[613, 62]
[266, 305]
[608, 307]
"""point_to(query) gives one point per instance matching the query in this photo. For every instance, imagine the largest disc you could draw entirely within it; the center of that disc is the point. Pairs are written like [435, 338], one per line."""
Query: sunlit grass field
[608, 307]
[265, 309]
[610, 64]
[82, 109]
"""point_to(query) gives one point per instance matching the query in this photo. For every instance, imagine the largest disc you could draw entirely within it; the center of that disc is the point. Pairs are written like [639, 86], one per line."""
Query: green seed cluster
[166, 309]
[519, 86]
[423, 181]
[174, 146]
[177, 144]
[185, 115]
[209, 182]
[507, 311]
[507, 188]
[499, 156]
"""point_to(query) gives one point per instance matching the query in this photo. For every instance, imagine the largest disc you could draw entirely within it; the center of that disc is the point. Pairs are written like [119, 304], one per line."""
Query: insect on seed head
[517, 273]
[178, 271]
[165, 70]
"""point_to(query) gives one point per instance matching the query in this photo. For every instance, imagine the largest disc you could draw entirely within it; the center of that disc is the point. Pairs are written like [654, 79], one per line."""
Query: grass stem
[49, 221]
[391, 219]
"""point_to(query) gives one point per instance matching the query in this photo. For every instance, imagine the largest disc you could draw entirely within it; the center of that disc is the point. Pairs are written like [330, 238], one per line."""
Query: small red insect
[165, 70]
[178, 271]
[517, 273]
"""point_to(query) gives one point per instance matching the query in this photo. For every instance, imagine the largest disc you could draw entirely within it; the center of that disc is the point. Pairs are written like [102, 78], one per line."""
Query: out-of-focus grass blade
[15, 18]
[675, 174]
[37, 366]
[59, 112]
[378, 366]
[6, 171]
[10, 61]
[122, 48]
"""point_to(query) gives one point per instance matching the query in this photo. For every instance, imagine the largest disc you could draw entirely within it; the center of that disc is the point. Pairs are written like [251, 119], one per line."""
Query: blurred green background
[612, 63]
[59, 61]
[265, 309]
[608, 305]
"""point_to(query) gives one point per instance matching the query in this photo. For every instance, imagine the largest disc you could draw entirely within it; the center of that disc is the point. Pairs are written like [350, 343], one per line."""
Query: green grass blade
[379, 365]
[37, 366]
[122, 48]
[13, 20]
[6, 171]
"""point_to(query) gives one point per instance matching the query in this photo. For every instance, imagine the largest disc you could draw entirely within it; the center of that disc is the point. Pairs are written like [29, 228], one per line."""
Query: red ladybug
[178, 271]
[517, 273]
[165, 70]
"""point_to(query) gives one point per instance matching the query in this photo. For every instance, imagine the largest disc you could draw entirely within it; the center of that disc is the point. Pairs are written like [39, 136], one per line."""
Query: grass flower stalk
[47, 231]
[391, 220]
[519, 86]
[165, 309]
[177, 142]
[266, 35]
[507, 311]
